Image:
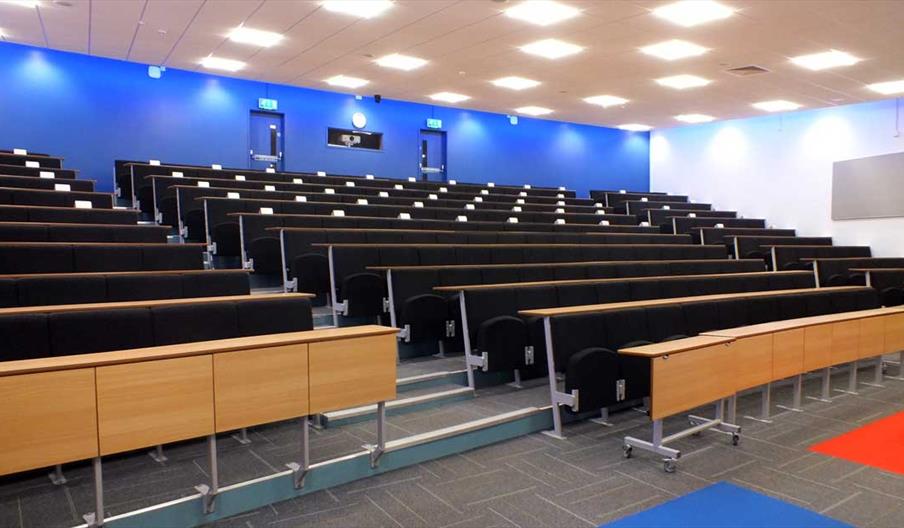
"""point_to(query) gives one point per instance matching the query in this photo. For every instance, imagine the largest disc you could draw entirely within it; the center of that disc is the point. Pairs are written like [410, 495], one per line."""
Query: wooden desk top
[115, 273]
[76, 224]
[811, 247]
[449, 231]
[675, 347]
[118, 244]
[707, 228]
[812, 259]
[791, 324]
[595, 308]
[58, 180]
[28, 190]
[573, 282]
[57, 308]
[378, 245]
[361, 229]
[870, 270]
[27, 366]
[52, 208]
[547, 264]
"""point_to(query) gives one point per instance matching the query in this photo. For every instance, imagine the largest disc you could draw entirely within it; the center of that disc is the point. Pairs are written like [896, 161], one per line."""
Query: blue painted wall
[92, 110]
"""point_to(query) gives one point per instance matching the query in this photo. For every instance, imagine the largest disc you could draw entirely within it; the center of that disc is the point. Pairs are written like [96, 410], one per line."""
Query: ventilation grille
[747, 71]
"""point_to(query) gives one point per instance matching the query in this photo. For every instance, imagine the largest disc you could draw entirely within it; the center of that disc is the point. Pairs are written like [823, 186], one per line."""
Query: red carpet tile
[879, 444]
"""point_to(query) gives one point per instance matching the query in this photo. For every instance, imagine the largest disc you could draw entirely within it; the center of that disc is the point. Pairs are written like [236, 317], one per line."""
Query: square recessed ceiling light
[449, 97]
[256, 37]
[533, 110]
[515, 83]
[695, 118]
[219, 63]
[605, 100]
[690, 13]
[674, 50]
[635, 127]
[888, 88]
[22, 3]
[542, 12]
[683, 82]
[778, 105]
[551, 48]
[401, 62]
[825, 60]
[358, 8]
[346, 81]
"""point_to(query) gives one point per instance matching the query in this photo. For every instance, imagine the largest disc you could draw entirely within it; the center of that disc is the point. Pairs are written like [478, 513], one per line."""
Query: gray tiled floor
[529, 481]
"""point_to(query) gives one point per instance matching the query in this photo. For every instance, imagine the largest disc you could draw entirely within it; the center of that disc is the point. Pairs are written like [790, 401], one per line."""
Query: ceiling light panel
[346, 82]
[255, 37]
[777, 105]
[515, 83]
[22, 3]
[605, 100]
[689, 13]
[358, 8]
[449, 97]
[683, 82]
[825, 60]
[542, 12]
[551, 48]
[219, 63]
[694, 118]
[888, 88]
[533, 110]
[674, 49]
[635, 127]
[401, 62]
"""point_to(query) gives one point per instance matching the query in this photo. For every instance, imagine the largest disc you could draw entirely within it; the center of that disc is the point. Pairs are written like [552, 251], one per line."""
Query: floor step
[397, 406]
[422, 381]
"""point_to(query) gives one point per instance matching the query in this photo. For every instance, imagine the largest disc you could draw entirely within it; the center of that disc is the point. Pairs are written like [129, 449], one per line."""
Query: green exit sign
[267, 104]
[434, 123]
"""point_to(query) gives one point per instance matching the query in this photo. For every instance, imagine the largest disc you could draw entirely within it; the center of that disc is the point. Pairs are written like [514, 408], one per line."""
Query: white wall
[779, 167]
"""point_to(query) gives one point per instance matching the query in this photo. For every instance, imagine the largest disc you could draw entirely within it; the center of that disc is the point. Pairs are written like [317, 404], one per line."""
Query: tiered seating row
[61, 257]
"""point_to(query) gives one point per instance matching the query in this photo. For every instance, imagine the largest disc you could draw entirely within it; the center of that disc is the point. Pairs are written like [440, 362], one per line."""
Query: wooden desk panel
[894, 332]
[817, 347]
[259, 386]
[154, 402]
[872, 337]
[753, 355]
[845, 342]
[690, 379]
[47, 418]
[352, 372]
[788, 353]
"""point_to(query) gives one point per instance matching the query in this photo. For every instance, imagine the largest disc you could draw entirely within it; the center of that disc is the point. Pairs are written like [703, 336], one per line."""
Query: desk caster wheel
[668, 465]
[735, 439]
[627, 451]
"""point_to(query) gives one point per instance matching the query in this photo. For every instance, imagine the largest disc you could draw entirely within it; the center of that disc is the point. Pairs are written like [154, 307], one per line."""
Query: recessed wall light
[358, 8]
[533, 110]
[256, 37]
[22, 3]
[219, 63]
[674, 50]
[515, 83]
[605, 100]
[635, 127]
[777, 105]
[825, 60]
[542, 12]
[400, 62]
[690, 13]
[888, 88]
[346, 81]
[683, 82]
[694, 118]
[551, 48]
[449, 97]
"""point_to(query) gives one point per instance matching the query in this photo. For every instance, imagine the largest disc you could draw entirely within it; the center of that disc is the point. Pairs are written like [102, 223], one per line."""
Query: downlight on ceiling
[689, 13]
[683, 82]
[255, 37]
[515, 83]
[888, 88]
[694, 118]
[551, 48]
[449, 97]
[219, 63]
[358, 8]
[777, 105]
[542, 12]
[346, 82]
[533, 110]
[400, 62]
[825, 60]
[674, 49]
[605, 100]
[635, 127]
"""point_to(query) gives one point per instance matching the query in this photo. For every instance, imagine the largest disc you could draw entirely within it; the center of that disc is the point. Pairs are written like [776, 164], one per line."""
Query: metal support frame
[825, 392]
[658, 444]
[335, 301]
[878, 374]
[391, 309]
[556, 397]
[242, 436]
[765, 404]
[603, 419]
[470, 359]
[56, 476]
[288, 285]
[209, 491]
[96, 518]
[377, 450]
[852, 380]
[900, 364]
[517, 383]
[797, 391]
[300, 468]
[157, 454]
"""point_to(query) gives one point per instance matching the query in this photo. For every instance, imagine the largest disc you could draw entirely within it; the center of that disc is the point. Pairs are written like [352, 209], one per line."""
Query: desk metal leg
[242, 436]
[658, 444]
[157, 454]
[97, 517]
[825, 393]
[852, 380]
[900, 364]
[300, 469]
[209, 492]
[878, 375]
[765, 405]
[57, 476]
[603, 419]
[376, 451]
[796, 395]
[553, 387]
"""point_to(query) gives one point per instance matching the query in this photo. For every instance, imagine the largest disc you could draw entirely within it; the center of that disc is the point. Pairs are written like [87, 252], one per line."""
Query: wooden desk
[58, 308]
[543, 264]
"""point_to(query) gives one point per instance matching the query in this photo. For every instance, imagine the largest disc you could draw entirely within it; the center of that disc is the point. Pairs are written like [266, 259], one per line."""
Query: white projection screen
[868, 187]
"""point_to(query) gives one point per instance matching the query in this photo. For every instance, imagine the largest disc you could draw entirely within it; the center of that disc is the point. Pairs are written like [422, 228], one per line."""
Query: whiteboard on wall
[870, 187]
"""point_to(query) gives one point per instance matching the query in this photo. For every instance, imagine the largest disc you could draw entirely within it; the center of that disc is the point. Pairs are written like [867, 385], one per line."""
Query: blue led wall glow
[92, 110]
